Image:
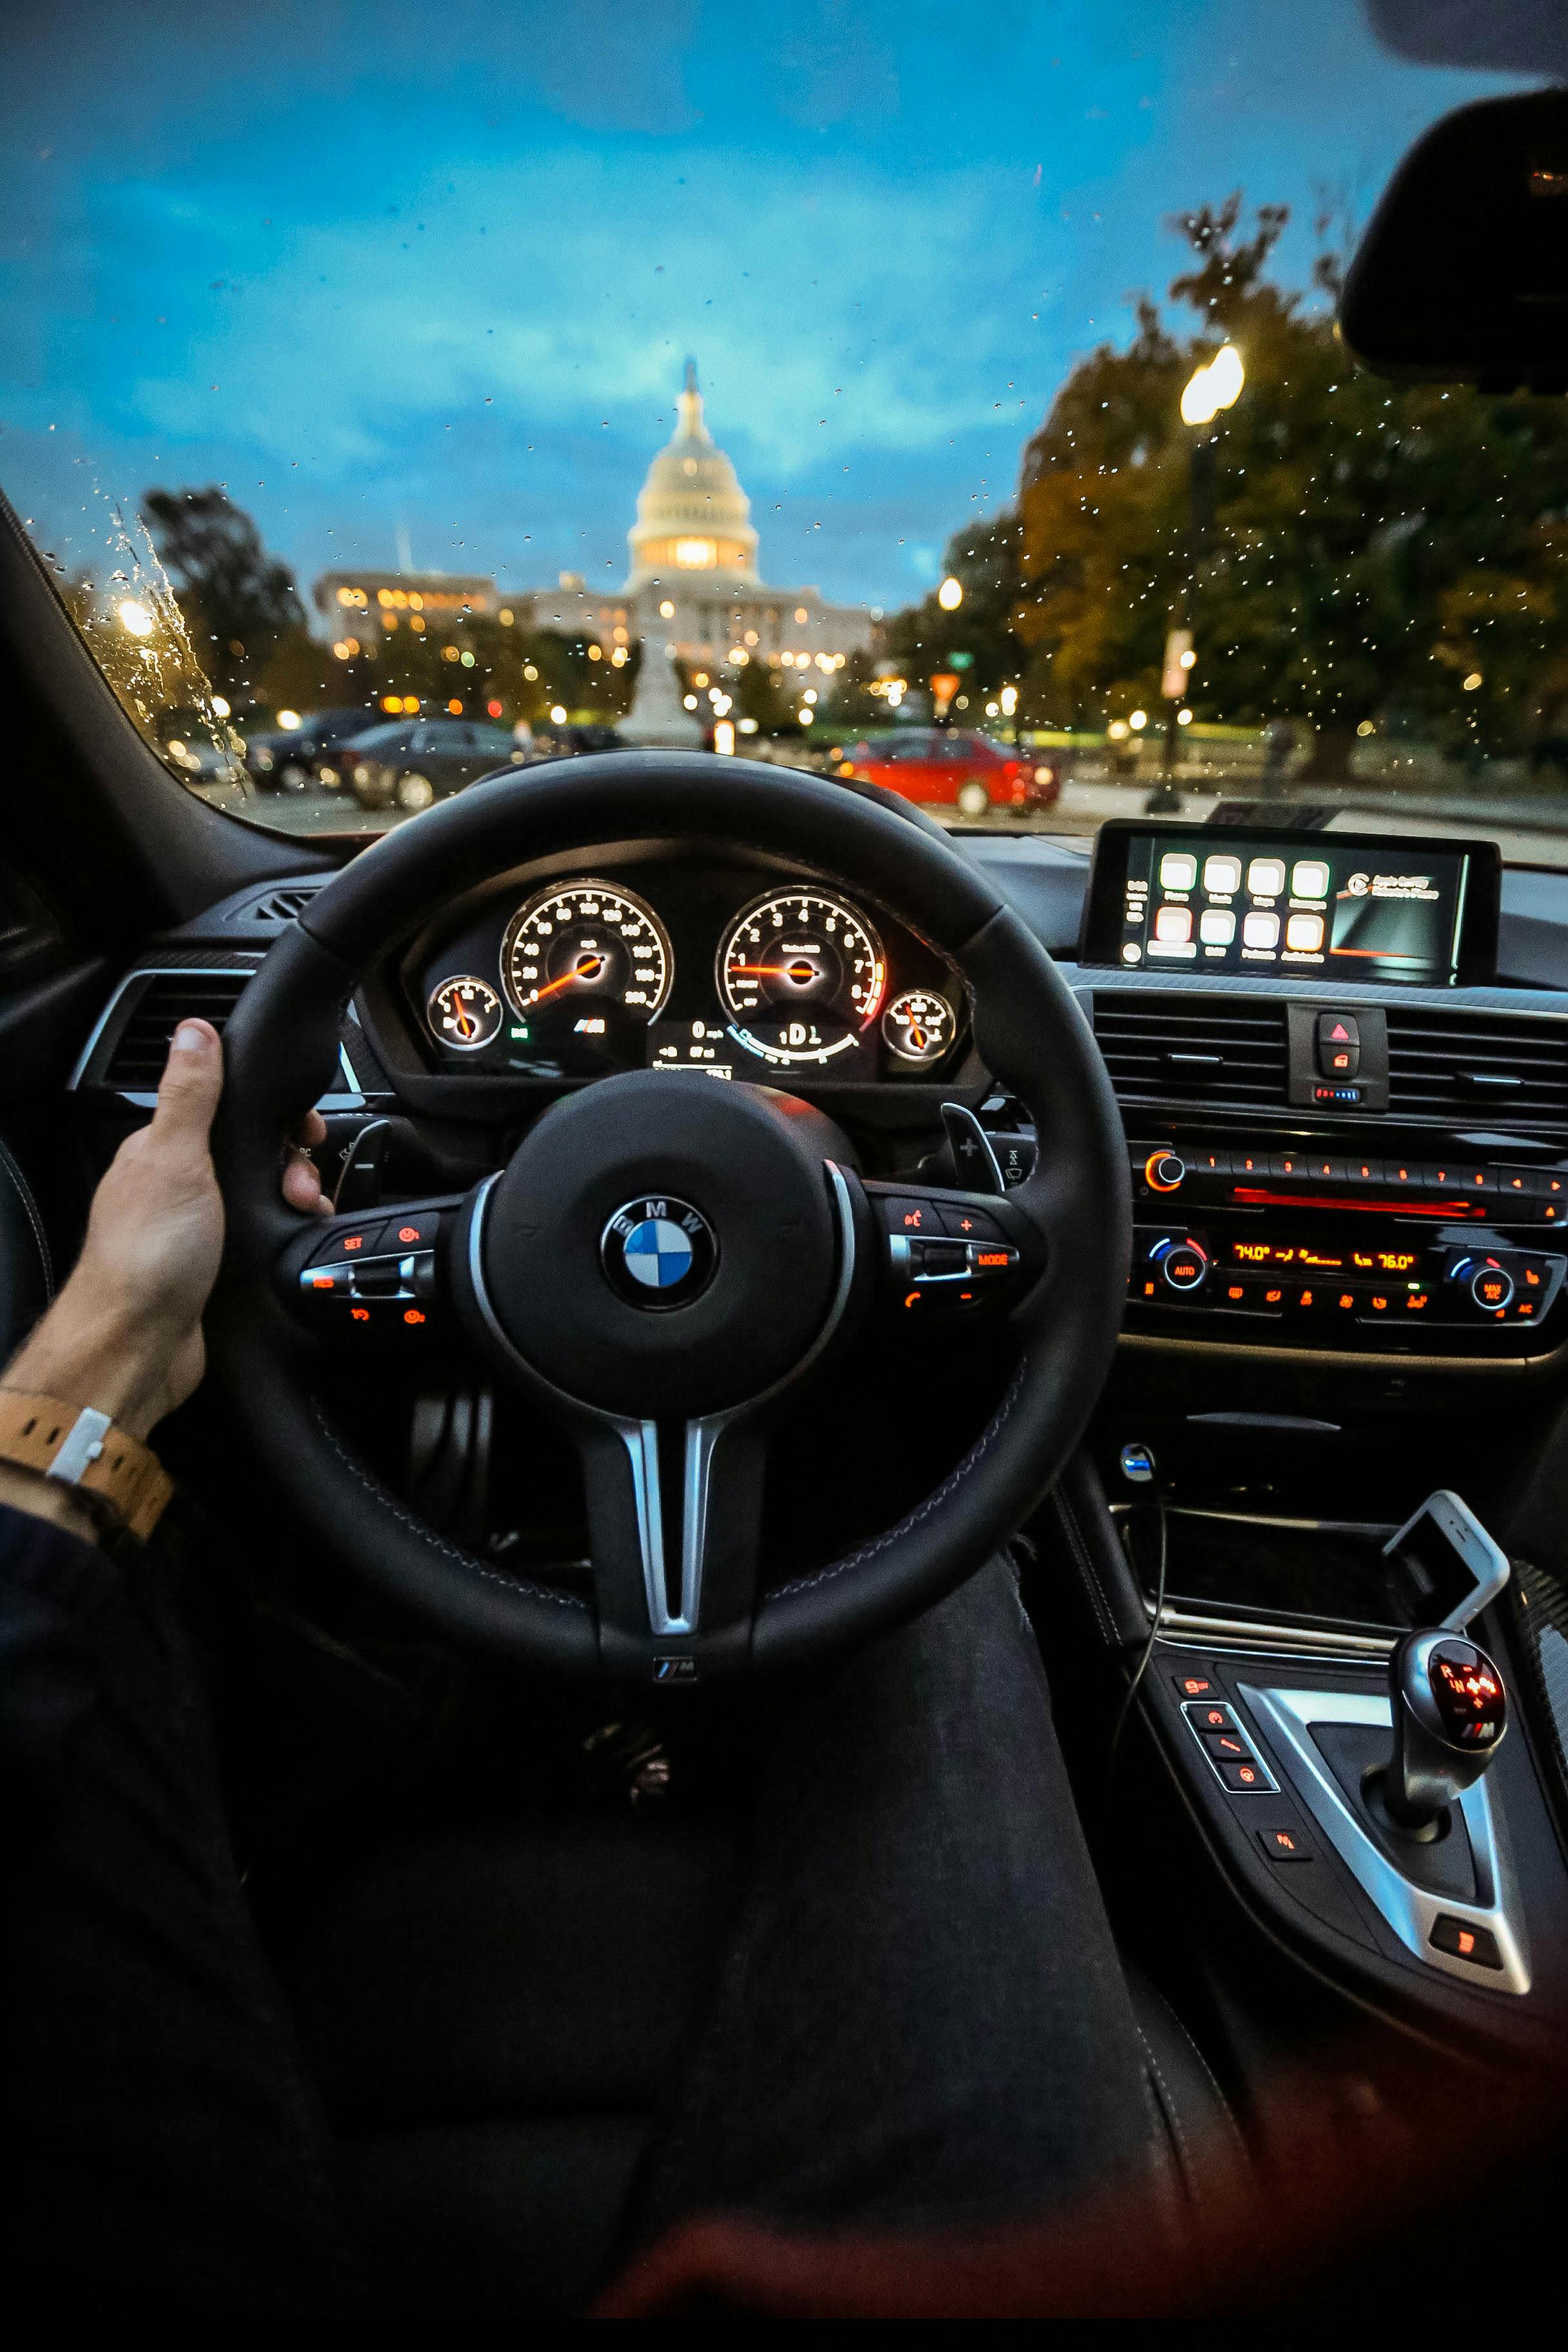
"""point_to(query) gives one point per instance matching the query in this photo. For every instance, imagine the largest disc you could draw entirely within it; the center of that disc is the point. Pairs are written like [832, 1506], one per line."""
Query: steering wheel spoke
[378, 1276]
[674, 1525]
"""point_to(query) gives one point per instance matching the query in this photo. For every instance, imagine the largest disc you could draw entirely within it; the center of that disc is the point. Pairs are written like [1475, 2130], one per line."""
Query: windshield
[804, 382]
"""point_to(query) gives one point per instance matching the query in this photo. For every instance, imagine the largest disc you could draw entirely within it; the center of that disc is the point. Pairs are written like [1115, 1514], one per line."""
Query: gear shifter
[1450, 1712]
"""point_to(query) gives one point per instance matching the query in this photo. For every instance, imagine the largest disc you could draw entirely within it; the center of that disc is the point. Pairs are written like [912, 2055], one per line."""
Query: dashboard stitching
[451, 1551]
[950, 1484]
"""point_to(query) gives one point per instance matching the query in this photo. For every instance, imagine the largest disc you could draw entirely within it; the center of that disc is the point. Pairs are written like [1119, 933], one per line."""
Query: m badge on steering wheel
[658, 1252]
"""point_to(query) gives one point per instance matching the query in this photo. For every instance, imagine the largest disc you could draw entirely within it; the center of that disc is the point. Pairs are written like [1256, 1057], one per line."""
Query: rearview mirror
[1462, 274]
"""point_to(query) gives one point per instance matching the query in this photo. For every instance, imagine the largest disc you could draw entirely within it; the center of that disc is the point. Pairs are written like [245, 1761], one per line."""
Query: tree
[1371, 548]
[983, 558]
[237, 601]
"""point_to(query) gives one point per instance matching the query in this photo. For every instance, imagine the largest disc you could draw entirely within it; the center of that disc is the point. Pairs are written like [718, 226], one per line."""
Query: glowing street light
[949, 595]
[135, 618]
[1209, 389]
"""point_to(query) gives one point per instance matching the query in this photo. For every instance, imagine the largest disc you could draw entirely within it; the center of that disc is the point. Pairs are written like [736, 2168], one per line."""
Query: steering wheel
[758, 1247]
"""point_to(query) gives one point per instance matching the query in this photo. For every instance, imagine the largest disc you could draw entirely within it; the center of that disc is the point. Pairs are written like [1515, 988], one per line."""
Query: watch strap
[119, 1477]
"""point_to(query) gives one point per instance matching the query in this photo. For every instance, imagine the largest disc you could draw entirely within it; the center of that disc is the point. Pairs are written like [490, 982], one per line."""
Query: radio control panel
[1259, 1240]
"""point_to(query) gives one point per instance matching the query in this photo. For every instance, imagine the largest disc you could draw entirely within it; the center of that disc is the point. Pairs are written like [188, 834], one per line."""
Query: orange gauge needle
[800, 970]
[464, 1027]
[586, 968]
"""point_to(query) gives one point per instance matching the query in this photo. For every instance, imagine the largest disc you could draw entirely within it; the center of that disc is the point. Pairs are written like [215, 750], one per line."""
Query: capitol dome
[693, 517]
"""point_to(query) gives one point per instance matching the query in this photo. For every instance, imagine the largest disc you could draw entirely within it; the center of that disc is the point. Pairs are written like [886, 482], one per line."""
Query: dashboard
[691, 963]
[1341, 1171]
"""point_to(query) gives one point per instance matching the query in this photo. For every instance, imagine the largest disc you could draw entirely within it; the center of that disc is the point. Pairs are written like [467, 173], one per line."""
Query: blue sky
[373, 264]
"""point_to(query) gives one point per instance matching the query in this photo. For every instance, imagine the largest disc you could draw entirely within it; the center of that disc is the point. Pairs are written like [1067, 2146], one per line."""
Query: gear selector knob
[1450, 1712]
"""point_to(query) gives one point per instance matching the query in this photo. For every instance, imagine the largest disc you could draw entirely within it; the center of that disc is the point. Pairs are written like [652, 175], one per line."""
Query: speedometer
[802, 977]
[584, 966]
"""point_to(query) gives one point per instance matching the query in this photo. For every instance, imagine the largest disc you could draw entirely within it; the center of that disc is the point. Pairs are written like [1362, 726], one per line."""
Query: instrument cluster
[587, 975]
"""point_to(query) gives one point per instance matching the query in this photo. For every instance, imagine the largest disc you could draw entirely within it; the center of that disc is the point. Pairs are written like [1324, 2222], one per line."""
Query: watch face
[1467, 1693]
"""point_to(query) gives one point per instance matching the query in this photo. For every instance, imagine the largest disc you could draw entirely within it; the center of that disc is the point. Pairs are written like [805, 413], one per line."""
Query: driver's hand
[125, 1333]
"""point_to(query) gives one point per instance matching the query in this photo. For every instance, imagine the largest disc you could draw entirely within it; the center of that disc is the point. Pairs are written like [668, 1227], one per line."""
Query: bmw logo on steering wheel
[658, 1252]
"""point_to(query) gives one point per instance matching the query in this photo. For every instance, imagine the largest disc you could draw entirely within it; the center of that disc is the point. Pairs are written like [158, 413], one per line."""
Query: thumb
[190, 1086]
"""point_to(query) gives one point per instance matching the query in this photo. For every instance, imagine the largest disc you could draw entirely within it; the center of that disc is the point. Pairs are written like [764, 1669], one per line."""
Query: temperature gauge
[464, 1014]
[918, 1026]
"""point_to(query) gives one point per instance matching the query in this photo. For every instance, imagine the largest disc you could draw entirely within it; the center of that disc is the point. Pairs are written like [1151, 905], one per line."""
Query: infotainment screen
[1316, 906]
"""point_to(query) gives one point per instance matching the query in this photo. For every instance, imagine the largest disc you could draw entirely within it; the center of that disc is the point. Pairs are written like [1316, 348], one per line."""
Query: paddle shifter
[1450, 1712]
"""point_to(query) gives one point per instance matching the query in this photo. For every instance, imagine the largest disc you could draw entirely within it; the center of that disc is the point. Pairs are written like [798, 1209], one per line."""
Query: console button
[1184, 1264]
[1339, 1045]
[1194, 1685]
[965, 1223]
[328, 1281]
[1282, 1844]
[1246, 1779]
[904, 1213]
[416, 1231]
[347, 1241]
[1492, 1288]
[1364, 1171]
[1226, 1743]
[1207, 1713]
[1514, 1181]
[1466, 1941]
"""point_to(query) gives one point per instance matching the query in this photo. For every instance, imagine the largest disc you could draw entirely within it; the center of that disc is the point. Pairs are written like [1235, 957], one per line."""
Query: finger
[190, 1086]
[312, 1128]
[302, 1184]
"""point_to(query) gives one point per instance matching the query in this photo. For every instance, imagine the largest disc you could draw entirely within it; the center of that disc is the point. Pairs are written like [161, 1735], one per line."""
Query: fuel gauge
[465, 1013]
[919, 1026]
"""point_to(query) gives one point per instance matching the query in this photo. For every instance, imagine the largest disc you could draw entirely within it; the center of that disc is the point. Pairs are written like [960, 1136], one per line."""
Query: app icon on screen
[1261, 930]
[1222, 876]
[1216, 927]
[1309, 878]
[1173, 923]
[1178, 870]
[1304, 932]
[1266, 877]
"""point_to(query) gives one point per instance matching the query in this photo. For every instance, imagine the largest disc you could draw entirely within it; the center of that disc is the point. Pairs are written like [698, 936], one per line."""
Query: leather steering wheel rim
[280, 1048]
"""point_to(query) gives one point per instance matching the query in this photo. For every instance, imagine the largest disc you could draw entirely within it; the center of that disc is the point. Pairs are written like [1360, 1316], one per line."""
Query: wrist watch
[121, 1481]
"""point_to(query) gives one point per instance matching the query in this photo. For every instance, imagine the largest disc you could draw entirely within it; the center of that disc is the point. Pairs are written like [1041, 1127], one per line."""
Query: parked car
[950, 767]
[287, 759]
[407, 763]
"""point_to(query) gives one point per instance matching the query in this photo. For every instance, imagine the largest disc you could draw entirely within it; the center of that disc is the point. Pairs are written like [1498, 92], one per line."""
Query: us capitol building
[693, 584]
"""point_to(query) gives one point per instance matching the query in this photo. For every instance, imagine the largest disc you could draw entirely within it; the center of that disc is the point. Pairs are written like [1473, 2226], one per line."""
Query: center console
[1342, 1135]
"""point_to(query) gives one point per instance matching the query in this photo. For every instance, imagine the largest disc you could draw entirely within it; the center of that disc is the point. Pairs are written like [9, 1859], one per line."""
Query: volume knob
[1163, 1170]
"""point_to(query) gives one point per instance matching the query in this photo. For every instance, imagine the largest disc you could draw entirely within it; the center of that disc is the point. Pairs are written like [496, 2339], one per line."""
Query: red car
[949, 767]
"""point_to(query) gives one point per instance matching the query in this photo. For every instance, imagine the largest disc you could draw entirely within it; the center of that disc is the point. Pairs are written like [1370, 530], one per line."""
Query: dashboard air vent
[1497, 1069]
[158, 1003]
[279, 906]
[1178, 1048]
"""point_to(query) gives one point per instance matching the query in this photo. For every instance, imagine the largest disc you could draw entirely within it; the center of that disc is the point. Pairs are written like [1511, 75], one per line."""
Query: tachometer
[802, 977]
[581, 965]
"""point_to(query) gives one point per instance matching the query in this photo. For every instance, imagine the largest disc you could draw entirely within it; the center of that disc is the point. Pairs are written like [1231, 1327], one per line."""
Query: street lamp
[1212, 388]
[949, 595]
